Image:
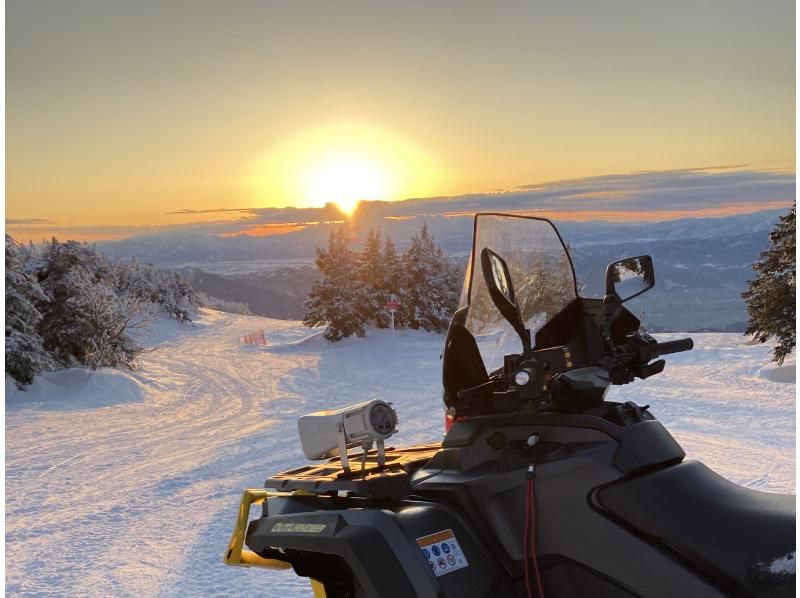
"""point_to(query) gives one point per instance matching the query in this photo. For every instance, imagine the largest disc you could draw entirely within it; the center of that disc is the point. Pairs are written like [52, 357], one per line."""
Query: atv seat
[739, 537]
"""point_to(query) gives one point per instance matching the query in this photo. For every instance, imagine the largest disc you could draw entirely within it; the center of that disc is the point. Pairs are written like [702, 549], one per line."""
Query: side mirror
[630, 277]
[501, 290]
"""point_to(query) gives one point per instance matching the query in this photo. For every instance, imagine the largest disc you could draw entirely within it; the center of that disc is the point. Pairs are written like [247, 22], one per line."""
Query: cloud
[26, 221]
[187, 211]
[650, 195]
[677, 190]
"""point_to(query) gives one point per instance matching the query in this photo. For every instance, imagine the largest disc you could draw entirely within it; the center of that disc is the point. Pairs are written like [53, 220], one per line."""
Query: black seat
[740, 537]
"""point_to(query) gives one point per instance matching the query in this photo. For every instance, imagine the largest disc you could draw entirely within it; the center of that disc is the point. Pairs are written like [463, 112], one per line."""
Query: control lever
[651, 369]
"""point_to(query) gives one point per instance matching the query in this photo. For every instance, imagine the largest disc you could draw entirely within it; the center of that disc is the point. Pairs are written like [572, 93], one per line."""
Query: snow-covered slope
[121, 484]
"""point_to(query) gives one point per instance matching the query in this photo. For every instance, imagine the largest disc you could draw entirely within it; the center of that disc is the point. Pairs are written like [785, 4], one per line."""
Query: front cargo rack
[391, 480]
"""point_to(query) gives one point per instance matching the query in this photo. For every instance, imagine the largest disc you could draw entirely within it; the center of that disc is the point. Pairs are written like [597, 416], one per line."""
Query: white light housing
[321, 433]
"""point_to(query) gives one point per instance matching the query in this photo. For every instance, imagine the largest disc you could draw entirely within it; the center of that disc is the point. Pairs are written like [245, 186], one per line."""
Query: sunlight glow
[343, 163]
[346, 180]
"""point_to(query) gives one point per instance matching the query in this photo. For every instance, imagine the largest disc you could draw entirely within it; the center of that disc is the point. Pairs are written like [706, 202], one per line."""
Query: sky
[124, 116]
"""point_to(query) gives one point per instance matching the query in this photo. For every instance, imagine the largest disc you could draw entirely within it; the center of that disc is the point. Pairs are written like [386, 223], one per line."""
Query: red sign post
[391, 307]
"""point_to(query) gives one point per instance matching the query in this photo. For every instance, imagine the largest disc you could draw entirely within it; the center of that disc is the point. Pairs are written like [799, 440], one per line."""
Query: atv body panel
[377, 542]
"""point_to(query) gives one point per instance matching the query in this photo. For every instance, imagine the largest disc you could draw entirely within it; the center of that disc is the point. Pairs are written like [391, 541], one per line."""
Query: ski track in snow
[134, 493]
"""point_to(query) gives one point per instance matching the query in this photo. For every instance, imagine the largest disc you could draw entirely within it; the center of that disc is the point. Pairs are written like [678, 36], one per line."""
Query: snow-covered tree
[336, 300]
[176, 296]
[770, 297]
[391, 279]
[165, 288]
[65, 269]
[354, 289]
[138, 280]
[67, 304]
[391, 268]
[372, 274]
[430, 285]
[25, 354]
[232, 307]
[108, 321]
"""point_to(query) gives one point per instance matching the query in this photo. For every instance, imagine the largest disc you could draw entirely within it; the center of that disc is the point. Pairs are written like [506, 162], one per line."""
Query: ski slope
[127, 483]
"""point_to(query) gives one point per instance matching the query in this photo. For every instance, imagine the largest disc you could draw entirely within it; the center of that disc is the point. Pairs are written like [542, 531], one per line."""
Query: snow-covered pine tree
[430, 285]
[391, 279]
[770, 297]
[336, 299]
[25, 353]
[372, 274]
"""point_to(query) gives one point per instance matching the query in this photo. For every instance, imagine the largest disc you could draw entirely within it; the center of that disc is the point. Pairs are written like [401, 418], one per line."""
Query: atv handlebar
[683, 344]
[633, 359]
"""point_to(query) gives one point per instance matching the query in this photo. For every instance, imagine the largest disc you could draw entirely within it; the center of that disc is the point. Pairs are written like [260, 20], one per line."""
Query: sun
[341, 162]
[345, 180]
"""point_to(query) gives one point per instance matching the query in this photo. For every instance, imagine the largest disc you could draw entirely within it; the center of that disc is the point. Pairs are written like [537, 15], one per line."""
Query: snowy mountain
[702, 264]
[278, 293]
[225, 254]
[127, 483]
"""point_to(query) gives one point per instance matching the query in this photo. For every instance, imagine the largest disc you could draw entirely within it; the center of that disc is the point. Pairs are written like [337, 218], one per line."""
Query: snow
[779, 373]
[785, 565]
[84, 388]
[127, 483]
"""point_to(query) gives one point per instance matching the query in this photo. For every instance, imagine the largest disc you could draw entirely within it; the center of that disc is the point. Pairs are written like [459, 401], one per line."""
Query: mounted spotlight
[326, 434]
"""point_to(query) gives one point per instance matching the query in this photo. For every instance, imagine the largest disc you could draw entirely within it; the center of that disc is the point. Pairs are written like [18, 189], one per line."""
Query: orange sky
[119, 113]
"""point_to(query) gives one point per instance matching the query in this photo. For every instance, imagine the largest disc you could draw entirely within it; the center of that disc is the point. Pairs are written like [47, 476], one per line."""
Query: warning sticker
[442, 552]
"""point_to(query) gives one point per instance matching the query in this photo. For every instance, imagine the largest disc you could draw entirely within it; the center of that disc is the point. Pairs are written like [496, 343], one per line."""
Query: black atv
[541, 487]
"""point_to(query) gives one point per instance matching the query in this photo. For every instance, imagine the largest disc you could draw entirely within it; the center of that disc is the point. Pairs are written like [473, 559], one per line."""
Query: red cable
[532, 496]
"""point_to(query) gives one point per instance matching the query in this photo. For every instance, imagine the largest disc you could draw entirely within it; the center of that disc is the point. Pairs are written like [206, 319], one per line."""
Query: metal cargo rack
[391, 480]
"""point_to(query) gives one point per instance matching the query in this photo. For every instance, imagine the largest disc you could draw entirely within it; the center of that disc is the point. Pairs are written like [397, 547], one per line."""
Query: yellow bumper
[237, 555]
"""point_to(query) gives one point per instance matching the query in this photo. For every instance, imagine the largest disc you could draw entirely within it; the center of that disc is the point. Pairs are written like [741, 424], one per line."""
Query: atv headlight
[522, 377]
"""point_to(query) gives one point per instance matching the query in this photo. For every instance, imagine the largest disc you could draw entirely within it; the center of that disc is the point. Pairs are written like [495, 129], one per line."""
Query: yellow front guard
[237, 555]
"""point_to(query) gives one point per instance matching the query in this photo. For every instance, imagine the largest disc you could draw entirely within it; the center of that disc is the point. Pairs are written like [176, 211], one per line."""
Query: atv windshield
[541, 274]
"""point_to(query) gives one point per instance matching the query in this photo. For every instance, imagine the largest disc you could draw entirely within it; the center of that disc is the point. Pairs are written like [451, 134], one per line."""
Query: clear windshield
[541, 273]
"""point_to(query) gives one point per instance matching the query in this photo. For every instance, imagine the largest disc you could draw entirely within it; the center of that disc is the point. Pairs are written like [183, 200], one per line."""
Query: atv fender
[379, 545]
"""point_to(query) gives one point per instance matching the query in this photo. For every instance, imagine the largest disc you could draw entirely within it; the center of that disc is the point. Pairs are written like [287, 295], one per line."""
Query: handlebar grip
[683, 344]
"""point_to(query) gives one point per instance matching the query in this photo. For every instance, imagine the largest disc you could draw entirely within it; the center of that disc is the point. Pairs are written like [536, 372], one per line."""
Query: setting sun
[346, 180]
[342, 163]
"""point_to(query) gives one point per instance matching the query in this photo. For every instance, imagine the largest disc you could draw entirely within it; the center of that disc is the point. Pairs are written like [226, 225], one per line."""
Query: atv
[541, 487]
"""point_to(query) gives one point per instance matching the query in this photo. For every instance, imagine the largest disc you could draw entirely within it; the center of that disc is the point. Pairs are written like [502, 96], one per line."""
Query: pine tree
[335, 300]
[770, 297]
[372, 274]
[25, 353]
[430, 285]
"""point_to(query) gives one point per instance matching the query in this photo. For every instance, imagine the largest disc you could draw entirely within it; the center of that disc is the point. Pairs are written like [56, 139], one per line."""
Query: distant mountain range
[274, 293]
[702, 264]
